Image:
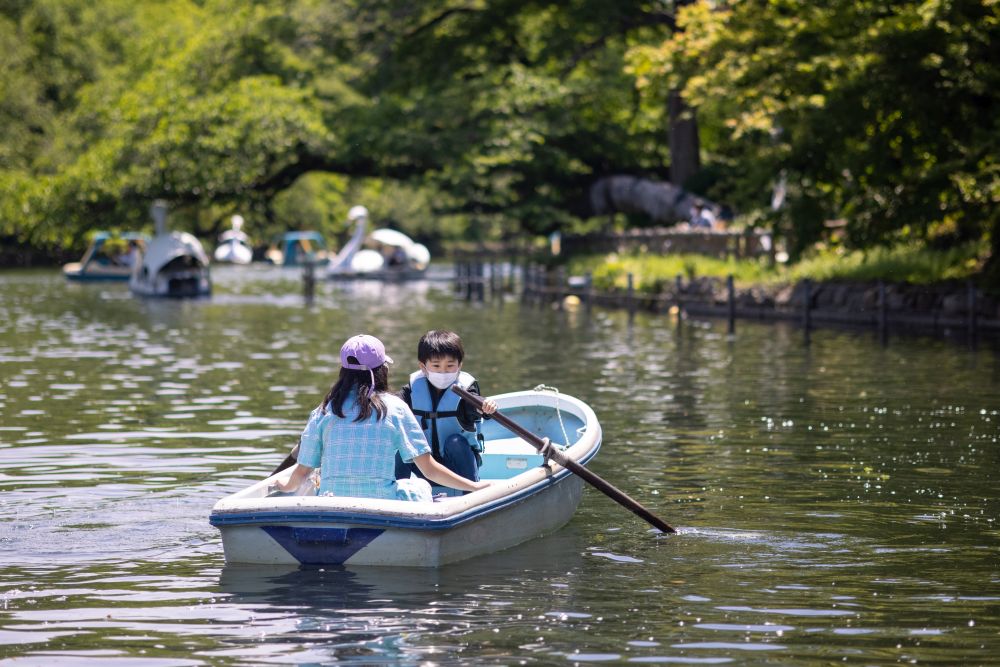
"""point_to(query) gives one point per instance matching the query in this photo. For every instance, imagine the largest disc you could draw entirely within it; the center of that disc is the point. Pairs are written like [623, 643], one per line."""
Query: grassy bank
[912, 264]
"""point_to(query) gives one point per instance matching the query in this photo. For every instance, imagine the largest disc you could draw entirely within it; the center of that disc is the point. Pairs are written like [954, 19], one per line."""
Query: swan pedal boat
[529, 497]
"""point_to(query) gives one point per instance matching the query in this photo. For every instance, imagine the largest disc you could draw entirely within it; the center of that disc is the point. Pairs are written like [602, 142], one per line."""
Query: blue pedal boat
[294, 249]
[529, 497]
[98, 264]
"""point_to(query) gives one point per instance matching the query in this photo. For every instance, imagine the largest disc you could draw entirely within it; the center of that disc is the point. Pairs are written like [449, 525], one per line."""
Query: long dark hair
[359, 384]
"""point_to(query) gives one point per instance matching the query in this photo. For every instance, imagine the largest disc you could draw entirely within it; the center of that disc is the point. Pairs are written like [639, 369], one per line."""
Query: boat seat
[506, 457]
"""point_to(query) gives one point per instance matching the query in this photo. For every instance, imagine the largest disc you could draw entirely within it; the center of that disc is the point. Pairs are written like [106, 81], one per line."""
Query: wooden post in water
[806, 306]
[971, 307]
[678, 285]
[631, 294]
[469, 279]
[543, 284]
[731, 302]
[561, 286]
[480, 281]
[308, 280]
[588, 289]
[882, 310]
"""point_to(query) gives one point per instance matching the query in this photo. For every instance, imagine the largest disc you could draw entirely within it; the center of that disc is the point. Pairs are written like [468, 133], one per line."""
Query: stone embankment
[863, 303]
[866, 304]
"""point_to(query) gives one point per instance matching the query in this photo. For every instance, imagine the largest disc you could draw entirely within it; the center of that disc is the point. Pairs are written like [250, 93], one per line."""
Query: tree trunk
[685, 159]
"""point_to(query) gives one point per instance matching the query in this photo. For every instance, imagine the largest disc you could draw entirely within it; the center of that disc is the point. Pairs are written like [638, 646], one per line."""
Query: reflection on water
[836, 501]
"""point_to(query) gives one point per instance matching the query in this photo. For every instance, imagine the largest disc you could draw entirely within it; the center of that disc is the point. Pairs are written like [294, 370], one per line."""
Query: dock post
[480, 281]
[588, 289]
[541, 283]
[731, 299]
[308, 280]
[882, 311]
[459, 275]
[631, 294]
[561, 287]
[971, 307]
[678, 285]
[806, 306]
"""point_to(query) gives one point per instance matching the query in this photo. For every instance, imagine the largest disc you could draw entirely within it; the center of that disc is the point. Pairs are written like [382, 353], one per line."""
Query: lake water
[837, 502]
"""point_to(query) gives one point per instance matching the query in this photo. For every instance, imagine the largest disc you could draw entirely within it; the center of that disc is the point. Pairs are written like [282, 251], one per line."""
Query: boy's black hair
[440, 343]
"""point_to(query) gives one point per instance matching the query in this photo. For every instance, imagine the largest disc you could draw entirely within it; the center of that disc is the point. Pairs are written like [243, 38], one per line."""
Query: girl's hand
[481, 484]
[489, 406]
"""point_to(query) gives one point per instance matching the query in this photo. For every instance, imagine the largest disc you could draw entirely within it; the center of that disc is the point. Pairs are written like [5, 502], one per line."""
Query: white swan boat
[528, 498]
[173, 264]
[234, 244]
[392, 255]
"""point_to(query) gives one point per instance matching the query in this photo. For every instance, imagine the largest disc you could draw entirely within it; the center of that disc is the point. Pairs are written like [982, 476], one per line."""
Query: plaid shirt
[358, 458]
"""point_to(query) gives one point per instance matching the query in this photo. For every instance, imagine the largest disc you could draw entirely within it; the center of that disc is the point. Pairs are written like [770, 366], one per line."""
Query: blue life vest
[439, 421]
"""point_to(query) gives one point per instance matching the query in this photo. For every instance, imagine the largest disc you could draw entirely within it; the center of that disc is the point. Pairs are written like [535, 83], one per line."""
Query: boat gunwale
[361, 518]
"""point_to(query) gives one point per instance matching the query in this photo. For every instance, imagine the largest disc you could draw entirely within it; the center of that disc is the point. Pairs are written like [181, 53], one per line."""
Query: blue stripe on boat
[268, 516]
[319, 546]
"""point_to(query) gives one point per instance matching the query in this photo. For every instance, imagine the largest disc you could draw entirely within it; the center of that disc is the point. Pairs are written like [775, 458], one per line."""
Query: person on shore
[447, 420]
[701, 217]
[359, 428]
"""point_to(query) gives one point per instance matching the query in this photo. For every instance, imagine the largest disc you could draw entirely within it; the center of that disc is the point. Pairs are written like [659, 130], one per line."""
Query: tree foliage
[878, 113]
[494, 117]
[503, 111]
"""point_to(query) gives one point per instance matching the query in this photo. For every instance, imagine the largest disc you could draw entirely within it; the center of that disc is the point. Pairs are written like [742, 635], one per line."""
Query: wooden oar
[546, 448]
[288, 462]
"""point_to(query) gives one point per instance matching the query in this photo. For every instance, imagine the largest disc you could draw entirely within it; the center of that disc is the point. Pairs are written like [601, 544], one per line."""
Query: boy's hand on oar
[489, 406]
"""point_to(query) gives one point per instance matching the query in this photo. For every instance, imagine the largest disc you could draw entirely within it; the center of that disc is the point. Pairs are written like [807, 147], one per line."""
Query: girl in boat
[354, 434]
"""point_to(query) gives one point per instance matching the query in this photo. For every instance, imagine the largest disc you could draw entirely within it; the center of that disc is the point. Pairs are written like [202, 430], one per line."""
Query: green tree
[504, 111]
[880, 113]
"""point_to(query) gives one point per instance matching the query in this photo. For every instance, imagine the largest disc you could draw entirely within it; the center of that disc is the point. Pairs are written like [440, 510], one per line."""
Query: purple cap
[368, 350]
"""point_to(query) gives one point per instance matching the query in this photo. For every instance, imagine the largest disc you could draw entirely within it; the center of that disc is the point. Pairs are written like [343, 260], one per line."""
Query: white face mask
[441, 380]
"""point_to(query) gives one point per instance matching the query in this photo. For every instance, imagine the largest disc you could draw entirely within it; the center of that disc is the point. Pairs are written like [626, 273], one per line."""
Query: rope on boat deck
[546, 450]
[555, 390]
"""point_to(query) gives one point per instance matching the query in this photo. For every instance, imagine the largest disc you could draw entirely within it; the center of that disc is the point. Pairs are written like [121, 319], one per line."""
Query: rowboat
[530, 496]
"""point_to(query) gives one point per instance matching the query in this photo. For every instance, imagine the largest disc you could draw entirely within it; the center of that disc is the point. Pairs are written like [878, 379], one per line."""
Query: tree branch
[437, 20]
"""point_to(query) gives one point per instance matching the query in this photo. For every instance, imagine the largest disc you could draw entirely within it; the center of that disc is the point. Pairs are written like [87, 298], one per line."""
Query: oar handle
[559, 457]
[288, 462]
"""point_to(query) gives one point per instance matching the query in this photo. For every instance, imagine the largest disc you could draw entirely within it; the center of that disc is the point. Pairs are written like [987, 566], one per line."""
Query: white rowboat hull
[528, 498]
